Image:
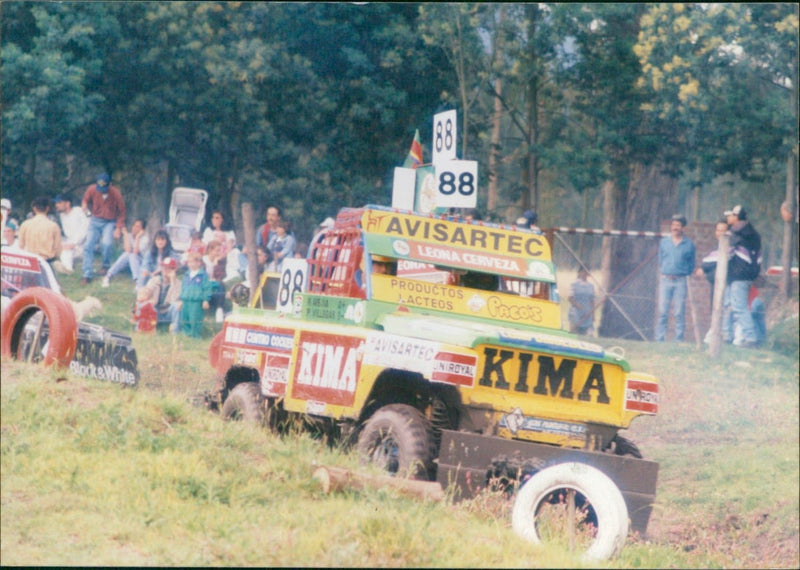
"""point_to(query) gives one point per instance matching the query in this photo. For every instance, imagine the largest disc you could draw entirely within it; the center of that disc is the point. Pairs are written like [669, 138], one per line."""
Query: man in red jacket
[103, 202]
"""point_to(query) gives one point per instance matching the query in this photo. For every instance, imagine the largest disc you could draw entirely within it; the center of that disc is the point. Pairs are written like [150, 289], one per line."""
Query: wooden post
[248, 223]
[720, 281]
[338, 478]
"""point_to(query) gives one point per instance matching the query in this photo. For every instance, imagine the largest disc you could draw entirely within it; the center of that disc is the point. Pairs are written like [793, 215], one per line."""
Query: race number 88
[444, 135]
[448, 186]
[291, 283]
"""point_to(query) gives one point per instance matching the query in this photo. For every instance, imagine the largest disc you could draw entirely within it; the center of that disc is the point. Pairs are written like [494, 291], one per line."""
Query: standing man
[75, 226]
[104, 203]
[744, 266]
[676, 258]
[581, 300]
[266, 233]
[40, 234]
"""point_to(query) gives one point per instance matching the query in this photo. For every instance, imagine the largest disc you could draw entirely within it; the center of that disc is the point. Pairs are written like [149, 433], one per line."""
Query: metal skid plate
[465, 459]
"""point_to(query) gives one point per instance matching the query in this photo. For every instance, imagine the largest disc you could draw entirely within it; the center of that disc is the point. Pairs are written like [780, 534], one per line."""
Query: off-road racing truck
[435, 343]
[40, 325]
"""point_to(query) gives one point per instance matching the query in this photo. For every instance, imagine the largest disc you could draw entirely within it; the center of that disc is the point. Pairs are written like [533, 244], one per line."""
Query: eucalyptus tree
[727, 75]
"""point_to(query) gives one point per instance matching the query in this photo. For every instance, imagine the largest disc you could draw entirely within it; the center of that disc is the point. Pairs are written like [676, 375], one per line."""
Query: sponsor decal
[452, 368]
[327, 368]
[20, 262]
[248, 358]
[104, 372]
[467, 259]
[321, 308]
[550, 380]
[641, 396]
[516, 422]
[276, 375]
[447, 233]
[277, 340]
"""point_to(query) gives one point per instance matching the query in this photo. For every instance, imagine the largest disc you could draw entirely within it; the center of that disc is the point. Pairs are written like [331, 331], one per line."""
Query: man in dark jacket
[744, 266]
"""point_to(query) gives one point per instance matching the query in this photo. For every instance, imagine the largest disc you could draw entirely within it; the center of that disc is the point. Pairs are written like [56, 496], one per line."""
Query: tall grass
[95, 474]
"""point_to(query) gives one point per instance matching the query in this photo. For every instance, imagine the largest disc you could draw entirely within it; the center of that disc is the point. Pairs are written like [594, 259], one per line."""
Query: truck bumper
[465, 459]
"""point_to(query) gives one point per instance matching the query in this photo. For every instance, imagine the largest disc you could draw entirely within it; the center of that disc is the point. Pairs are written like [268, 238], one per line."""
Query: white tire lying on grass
[574, 503]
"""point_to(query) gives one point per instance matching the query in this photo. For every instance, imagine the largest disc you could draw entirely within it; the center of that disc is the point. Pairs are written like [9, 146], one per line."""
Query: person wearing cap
[104, 203]
[74, 228]
[676, 255]
[528, 220]
[39, 234]
[744, 265]
[10, 233]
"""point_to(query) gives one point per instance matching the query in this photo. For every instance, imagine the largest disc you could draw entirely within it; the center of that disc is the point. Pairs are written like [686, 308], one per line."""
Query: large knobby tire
[399, 439]
[245, 402]
[62, 325]
[574, 503]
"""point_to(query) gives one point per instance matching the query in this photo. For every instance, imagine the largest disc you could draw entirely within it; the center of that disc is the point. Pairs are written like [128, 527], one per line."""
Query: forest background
[594, 115]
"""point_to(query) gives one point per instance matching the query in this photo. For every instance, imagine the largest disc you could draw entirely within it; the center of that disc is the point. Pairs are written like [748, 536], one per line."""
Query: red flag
[414, 158]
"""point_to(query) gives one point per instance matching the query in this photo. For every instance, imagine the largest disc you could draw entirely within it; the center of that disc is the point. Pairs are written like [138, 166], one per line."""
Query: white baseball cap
[5, 203]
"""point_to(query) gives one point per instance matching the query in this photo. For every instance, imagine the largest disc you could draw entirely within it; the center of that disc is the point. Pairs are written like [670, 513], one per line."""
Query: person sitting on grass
[134, 244]
[151, 264]
[163, 291]
[196, 289]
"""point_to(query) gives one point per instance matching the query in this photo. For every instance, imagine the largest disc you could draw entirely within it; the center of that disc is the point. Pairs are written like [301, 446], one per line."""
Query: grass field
[94, 474]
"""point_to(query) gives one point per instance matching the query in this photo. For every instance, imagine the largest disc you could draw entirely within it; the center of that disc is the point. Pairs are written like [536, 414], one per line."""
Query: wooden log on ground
[337, 478]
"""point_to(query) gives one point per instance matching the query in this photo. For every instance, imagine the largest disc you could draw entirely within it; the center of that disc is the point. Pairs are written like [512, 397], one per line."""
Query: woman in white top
[228, 240]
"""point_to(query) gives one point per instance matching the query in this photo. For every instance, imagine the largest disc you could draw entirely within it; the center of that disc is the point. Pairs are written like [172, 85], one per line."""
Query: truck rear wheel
[245, 402]
[399, 439]
[40, 325]
[573, 504]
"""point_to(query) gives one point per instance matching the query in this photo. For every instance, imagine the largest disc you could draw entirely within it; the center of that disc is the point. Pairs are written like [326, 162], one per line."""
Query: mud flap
[465, 459]
[105, 355]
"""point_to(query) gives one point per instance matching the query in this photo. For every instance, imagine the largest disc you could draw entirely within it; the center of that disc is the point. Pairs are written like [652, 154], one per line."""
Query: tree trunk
[647, 199]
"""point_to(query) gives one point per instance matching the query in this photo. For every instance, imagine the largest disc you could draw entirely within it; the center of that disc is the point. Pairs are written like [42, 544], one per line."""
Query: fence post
[720, 282]
[248, 223]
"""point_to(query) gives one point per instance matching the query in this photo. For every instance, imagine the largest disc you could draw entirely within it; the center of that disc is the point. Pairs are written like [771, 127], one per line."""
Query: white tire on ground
[598, 499]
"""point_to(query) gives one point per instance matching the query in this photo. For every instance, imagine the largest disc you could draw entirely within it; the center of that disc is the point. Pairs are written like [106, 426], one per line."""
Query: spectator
[103, 201]
[263, 260]
[528, 220]
[215, 268]
[744, 266]
[75, 227]
[676, 257]
[708, 265]
[282, 245]
[135, 246]
[10, 233]
[266, 232]
[195, 296]
[581, 300]
[5, 216]
[151, 263]
[39, 234]
[301, 251]
[227, 239]
[163, 291]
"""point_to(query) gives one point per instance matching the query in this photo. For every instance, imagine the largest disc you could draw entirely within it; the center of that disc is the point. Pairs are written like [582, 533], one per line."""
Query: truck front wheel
[399, 439]
[245, 402]
[575, 505]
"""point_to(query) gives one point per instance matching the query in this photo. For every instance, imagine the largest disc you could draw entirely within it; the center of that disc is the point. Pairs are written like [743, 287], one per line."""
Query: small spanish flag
[414, 158]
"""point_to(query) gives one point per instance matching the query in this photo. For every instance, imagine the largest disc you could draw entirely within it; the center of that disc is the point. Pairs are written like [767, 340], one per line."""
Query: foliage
[309, 106]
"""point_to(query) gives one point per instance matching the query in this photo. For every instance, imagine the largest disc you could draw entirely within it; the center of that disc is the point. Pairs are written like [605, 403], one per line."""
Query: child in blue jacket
[196, 291]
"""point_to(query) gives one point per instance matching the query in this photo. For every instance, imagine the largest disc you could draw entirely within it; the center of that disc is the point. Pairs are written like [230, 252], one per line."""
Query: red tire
[63, 326]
